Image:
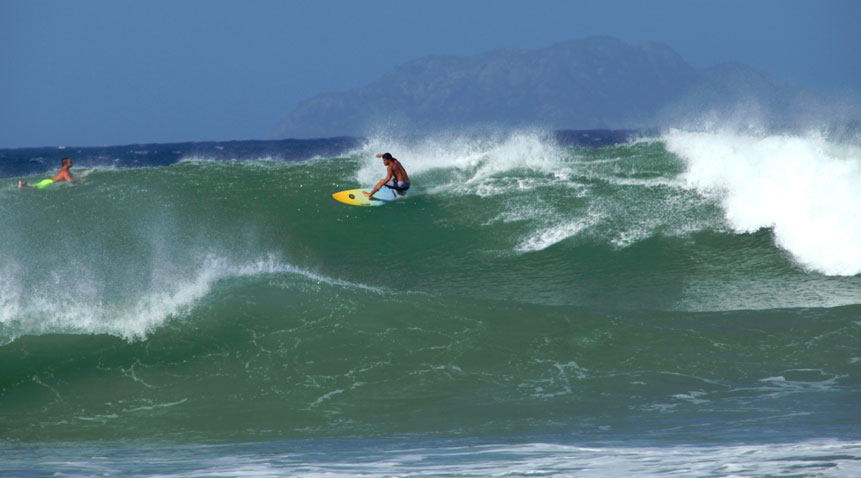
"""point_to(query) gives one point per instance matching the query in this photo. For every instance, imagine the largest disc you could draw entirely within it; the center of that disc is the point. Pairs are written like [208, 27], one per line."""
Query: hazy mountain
[598, 82]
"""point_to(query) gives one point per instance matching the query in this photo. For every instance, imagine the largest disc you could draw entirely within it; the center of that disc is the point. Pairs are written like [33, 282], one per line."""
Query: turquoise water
[688, 301]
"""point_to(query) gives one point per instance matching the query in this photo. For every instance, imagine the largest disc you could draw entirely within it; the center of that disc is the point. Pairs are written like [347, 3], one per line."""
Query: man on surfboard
[63, 175]
[396, 178]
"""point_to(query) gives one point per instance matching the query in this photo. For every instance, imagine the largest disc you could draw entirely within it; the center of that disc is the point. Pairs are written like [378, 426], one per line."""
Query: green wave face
[521, 286]
[286, 356]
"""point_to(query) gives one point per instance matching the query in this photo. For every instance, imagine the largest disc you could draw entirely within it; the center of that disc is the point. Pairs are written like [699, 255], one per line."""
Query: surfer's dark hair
[387, 156]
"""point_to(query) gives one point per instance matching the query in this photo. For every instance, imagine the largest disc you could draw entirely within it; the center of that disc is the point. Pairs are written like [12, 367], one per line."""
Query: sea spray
[530, 307]
[578, 222]
[803, 187]
[468, 159]
[71, 299]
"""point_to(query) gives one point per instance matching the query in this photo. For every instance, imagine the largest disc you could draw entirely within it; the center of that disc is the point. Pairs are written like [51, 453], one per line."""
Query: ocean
[591, 303]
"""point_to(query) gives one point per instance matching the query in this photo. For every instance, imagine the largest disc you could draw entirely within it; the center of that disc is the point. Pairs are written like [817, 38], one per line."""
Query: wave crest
[803, 187]
[72, 300]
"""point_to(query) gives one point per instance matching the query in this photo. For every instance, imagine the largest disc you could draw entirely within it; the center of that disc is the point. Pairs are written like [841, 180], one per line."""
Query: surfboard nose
[353, 197]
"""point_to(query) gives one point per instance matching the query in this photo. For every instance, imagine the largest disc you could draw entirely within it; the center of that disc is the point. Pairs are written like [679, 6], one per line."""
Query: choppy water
[686, 303]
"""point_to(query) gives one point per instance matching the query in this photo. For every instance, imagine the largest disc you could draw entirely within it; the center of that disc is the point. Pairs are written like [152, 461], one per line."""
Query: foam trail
[79, 306]
[555, 234]
[805, 188]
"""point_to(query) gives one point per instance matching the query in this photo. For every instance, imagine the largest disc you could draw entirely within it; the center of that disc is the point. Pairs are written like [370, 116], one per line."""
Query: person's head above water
[66, 162]
[386, 157]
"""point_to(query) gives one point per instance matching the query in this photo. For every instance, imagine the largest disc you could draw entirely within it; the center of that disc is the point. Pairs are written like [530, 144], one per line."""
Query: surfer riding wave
[396, 178]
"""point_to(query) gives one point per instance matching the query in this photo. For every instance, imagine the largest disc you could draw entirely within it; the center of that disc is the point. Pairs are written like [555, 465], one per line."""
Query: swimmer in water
[62, 175]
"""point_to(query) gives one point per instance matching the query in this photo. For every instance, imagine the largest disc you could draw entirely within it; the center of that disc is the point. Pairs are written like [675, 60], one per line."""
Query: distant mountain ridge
[597, 82]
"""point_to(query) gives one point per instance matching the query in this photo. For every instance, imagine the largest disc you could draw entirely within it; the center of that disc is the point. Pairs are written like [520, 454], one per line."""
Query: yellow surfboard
[354, 197]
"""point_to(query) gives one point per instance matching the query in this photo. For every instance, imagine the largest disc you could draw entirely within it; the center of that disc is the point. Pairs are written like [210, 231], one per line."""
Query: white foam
[803, 187]
[467, 160]
[514, 166]
[556, 233]
[71, 300]
[828, 457]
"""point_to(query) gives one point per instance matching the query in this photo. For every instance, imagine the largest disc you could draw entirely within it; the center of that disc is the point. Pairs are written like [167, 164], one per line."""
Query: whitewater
[681, 302]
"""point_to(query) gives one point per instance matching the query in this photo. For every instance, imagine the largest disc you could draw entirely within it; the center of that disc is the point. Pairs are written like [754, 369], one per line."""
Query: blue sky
[90, 73]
